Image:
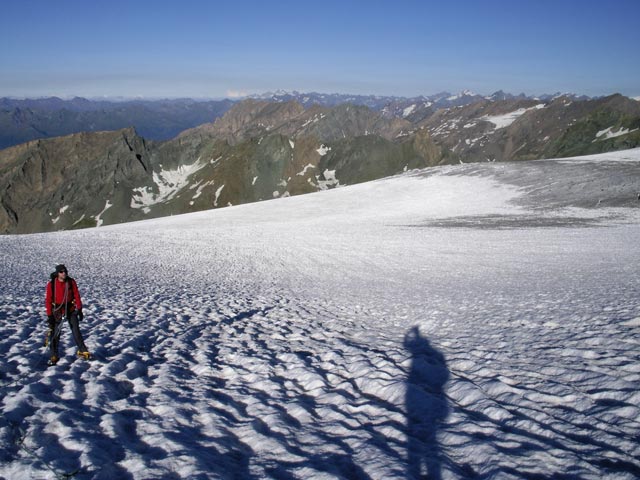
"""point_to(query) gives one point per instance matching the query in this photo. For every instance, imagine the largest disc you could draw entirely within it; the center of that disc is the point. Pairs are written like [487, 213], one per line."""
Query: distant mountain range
[22, 120]
[268, 148]
[30, 119]
[393, 105]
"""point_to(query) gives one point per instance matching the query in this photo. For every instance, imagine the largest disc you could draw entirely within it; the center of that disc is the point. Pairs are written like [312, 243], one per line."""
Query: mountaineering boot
[86, 355]
[52, 361]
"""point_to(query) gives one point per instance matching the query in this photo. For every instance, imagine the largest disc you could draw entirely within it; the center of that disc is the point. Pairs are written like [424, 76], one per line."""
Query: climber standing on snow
[62, 300]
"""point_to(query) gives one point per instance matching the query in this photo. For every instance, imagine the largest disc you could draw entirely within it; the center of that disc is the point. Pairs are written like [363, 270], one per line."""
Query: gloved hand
[80, 315]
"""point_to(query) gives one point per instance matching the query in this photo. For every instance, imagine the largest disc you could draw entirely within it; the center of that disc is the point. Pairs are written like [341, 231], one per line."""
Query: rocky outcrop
[74, 181]
[526, 129]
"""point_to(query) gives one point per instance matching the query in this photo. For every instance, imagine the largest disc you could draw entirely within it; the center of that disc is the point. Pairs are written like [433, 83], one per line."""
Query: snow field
[354, 333]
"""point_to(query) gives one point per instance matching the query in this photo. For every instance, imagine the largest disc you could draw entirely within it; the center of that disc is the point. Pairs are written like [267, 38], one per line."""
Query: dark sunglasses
[62, 271]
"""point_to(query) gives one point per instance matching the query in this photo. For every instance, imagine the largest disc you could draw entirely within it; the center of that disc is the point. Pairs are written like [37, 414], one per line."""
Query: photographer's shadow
[426, 407]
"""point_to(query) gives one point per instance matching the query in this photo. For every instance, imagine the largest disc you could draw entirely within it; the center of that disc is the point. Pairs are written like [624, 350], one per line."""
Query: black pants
[75, 329]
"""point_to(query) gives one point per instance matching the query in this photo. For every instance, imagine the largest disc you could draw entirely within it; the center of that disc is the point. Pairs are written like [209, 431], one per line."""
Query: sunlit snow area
[468, 321]
[503, 121]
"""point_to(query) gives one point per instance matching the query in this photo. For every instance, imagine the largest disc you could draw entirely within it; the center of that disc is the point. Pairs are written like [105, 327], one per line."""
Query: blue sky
[197, 48]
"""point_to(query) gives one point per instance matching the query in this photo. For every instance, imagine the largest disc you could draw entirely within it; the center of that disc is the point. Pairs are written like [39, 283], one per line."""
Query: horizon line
[234, 96]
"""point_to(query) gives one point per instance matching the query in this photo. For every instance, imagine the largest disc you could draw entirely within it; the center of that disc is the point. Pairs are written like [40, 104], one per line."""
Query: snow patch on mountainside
[218, 192]
[323, 150]
[167, 182]
[329, 181]
[60, 213]
[409, 110]
[503, 121]
[316, 118]
[199, 190]
[608, 133]
[98, 217]
[304, 170]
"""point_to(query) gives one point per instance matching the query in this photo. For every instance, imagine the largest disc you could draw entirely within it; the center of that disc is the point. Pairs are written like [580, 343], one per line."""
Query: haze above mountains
[125, 161]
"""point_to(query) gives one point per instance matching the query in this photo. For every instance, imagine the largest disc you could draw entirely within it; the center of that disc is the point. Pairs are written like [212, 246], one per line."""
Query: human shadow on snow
[426, 407]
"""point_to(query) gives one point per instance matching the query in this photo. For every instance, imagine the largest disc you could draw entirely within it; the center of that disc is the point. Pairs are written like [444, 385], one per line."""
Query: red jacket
[66, 292]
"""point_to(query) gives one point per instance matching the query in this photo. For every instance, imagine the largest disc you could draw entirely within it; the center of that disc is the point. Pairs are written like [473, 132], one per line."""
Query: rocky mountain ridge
[395, 105]
[257, 151]
[263, 149]
[525, 129]
[22, 120]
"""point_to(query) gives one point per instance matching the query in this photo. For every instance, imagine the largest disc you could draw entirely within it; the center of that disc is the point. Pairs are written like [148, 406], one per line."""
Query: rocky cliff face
[75, 181]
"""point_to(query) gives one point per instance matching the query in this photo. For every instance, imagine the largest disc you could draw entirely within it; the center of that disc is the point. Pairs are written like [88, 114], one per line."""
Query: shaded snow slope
[475, 321]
